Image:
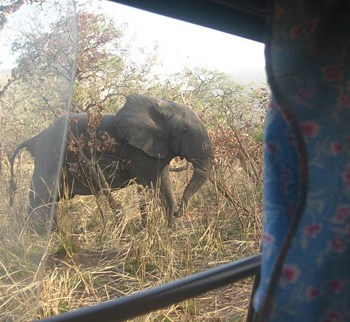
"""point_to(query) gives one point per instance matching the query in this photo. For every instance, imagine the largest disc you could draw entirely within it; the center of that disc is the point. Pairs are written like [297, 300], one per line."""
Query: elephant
[135, 145]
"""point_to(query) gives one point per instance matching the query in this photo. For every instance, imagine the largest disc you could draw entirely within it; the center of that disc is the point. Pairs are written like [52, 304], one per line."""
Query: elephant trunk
[201, 160]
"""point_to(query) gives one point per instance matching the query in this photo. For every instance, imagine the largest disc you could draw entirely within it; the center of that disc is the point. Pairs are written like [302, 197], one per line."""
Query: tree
[38, 82]
[104, 73]
[217, 97]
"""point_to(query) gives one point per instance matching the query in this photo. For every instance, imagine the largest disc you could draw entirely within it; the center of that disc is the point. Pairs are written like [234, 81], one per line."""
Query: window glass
[37, 69]
[101, 245]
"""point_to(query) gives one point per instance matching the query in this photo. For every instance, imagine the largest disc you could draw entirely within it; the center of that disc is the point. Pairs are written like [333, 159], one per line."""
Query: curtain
[305, 274]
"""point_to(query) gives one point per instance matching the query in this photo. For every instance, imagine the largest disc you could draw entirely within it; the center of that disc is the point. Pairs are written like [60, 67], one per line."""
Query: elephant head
[164, 130]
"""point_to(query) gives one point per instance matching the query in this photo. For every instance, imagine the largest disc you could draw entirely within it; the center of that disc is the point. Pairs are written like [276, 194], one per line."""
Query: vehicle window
[110, 233]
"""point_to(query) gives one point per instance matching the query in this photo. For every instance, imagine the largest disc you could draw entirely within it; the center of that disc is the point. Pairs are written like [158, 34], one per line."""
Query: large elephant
[143, 137]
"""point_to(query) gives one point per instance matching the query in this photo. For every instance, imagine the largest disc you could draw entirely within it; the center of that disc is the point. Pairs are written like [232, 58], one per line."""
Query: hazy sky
[181, 43]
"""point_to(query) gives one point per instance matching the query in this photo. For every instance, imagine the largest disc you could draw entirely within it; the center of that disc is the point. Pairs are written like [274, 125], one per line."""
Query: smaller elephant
[142, 138]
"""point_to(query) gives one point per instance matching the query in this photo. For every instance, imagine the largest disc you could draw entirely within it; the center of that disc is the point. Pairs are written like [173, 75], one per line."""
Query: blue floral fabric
[305, 273]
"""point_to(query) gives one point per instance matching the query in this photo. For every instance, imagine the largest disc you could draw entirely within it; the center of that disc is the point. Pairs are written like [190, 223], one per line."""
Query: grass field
[92, 259]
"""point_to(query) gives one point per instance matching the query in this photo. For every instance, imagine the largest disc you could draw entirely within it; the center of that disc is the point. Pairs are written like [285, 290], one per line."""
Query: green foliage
[257, 135]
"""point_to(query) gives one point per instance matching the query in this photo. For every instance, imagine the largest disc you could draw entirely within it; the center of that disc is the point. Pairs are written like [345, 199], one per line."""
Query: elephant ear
[142, 125]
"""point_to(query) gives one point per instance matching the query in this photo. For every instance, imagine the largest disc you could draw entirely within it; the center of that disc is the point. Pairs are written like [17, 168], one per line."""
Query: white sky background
[183, 44]
[29, 18]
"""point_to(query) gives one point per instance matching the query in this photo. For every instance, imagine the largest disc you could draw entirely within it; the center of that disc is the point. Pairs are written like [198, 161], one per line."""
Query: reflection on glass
[37, 71]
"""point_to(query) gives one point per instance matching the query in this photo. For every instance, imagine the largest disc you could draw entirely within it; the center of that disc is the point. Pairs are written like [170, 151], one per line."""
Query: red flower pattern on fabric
[336, 286]
[344, 99]
[332, 316]
[311, 25]
[311, 231]
[332, 73]
[311, 293]
[342, 214]
[267, 238]
[337, 245]
[306, 93]
[271, 147]
[336, 148]
[309, 128]
[291, 274]
[296, 31]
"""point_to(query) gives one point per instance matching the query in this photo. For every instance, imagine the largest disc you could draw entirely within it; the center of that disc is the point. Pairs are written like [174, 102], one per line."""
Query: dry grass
[92, 259]
[21, 256]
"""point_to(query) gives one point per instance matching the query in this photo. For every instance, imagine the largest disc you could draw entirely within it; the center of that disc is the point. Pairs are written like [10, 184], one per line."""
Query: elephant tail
[13, 187]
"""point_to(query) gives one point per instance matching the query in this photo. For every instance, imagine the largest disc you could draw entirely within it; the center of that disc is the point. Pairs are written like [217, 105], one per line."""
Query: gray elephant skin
[148, 133]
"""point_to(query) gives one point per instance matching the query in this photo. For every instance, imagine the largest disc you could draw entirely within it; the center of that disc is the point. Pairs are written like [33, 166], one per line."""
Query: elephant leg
[41, 199]
[168, 194]
[149, 172]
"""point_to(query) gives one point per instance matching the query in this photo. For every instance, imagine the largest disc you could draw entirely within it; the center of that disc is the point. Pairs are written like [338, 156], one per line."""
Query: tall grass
[94, 258]
[22, 253]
